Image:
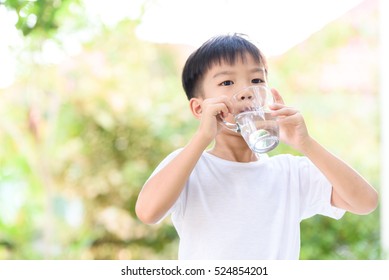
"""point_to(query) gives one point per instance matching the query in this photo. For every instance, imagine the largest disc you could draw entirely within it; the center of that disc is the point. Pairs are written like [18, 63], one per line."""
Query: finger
[220, 109]
[277, 106]
[284, 112]
[228, 104]
[277, 96]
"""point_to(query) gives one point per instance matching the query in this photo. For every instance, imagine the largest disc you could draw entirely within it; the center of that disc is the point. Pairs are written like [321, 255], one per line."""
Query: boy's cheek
[215, 91]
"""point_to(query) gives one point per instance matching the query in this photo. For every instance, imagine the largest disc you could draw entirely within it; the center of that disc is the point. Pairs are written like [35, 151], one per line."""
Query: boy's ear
[196, 106]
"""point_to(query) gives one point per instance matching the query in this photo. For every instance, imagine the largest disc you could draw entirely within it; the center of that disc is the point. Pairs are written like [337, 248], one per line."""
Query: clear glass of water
[253, 119]
[259, 129]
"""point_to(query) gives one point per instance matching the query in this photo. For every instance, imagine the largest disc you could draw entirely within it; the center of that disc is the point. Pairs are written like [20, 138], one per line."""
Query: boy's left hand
[293, 130]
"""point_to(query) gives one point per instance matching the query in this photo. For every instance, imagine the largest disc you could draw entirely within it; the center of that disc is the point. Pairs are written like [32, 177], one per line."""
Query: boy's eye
[227, 83]
[257, 81]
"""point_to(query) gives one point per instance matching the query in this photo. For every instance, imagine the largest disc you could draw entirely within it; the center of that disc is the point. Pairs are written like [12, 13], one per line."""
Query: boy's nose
[245, 96]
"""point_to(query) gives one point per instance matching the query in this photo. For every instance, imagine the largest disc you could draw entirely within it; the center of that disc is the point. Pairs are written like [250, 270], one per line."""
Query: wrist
[201, 140]
[308, 145]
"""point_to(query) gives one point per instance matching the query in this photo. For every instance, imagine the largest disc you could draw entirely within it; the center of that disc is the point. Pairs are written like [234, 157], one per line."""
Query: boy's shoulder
[290, 159]
[290, 163]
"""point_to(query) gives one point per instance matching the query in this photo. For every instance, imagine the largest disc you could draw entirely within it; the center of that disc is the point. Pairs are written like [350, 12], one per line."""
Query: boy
[226, 203]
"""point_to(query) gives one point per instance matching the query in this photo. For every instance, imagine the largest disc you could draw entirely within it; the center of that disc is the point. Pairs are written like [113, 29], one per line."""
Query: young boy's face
[227, 79]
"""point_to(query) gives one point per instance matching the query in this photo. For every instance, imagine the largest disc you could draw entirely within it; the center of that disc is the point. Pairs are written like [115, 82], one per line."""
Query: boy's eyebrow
[258, 69]
[223, 73]
[229, 72]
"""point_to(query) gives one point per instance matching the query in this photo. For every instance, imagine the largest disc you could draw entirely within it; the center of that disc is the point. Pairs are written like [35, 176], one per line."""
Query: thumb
[277, 96]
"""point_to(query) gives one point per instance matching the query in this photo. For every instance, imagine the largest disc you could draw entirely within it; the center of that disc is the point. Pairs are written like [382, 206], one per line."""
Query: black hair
[224, 48]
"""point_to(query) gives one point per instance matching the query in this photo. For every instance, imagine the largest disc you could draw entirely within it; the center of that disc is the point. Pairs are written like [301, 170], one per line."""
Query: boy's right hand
[209, 112]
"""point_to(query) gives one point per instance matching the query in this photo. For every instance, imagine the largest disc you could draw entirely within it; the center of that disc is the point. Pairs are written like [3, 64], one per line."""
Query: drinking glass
[253, 119]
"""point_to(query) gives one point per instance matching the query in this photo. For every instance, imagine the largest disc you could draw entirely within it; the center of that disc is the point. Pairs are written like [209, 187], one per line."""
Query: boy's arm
[162, 190]
[351, 191]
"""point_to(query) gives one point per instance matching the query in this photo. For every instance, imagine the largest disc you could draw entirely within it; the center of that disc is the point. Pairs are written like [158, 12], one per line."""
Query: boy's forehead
[223, 64]
[243, 58]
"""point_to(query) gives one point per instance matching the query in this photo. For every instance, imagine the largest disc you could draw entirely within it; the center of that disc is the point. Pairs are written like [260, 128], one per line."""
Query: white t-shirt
[233, 210]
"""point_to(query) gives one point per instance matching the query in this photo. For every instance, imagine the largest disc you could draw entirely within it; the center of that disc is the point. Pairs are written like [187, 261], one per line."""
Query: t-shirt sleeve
[315, 192]
[176, 206]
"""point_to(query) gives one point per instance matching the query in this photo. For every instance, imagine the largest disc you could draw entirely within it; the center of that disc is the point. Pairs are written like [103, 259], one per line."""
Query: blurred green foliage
[42, 17]
[79, 139]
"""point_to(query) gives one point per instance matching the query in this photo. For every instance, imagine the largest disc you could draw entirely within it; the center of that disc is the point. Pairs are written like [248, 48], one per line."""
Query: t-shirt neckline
[261, 160]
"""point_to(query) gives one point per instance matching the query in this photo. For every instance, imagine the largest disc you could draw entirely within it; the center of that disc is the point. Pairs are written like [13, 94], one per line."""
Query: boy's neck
[233, 150]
